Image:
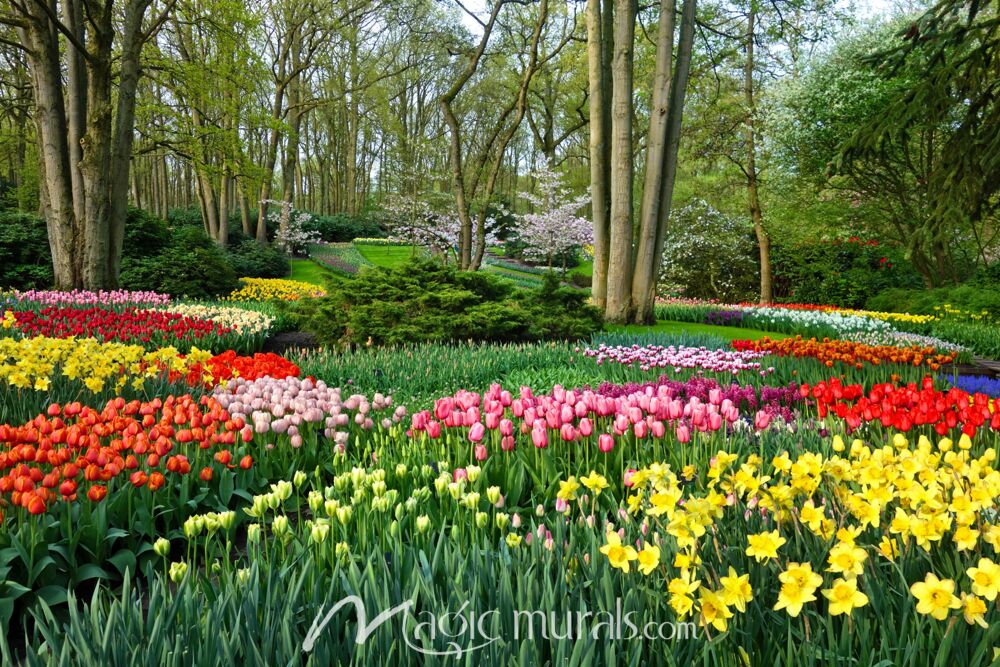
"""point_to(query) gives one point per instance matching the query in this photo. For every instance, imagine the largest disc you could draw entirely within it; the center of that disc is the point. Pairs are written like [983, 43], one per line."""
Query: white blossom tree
[416, 222]
[554, 227]
[292, 237]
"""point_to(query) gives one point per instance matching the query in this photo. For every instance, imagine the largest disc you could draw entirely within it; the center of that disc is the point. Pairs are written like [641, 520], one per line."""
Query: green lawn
[729, 333]
[309, 271]
[585, 268]
[388, 256]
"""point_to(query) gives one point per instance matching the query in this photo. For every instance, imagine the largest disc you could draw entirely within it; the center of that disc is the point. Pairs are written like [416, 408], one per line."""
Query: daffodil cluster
[818, 524]
[270, 289]
[36, 363]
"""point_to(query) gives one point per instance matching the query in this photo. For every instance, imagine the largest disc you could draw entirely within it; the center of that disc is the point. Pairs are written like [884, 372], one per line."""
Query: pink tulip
[567, 432]
[459, 473]
[715, 421]
[492, 421]
[605, 443]
[628, 477]
[434, 429]
[477, 432]
[443, 408]
[761, 420]
[658, 429]
[683, 433]
[621, 423]
[507, 443]
[540, 437]
[480, 451]
[586, 427]
[640, 430]
[506, 427]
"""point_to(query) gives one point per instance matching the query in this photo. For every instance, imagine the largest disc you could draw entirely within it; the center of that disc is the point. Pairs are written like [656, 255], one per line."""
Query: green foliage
[192, 266]
[342, 227]
[708, 255]
[250, 259]
[145, 234]
[423, 300]
[841, 273]
[25, 258]
[972, 299]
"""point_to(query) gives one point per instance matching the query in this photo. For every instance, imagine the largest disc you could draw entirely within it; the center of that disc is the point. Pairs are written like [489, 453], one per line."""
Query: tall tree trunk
[753, 198]
[653, 228]
[244, 208]
[619, 297]
[599, 148]
[56, 191]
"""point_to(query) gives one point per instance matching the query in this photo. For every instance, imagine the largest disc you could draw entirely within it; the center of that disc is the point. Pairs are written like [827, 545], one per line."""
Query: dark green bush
[184, 217]
[25, 258]
[145, 235]
[969, 298]
[341, 228]
[192, 265]
[839, 273]
[253, 260]
[424, 300]
[987, 276]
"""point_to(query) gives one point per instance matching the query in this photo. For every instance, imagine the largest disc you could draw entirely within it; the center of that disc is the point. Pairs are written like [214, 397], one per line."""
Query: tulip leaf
[123, 560]
[91, 571]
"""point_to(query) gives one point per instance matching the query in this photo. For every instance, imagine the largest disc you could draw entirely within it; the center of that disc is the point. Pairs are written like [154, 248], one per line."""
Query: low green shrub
[838, 273]
[424, 300]
[342, 227]
[25, 258]
[192, 266]
[972, 299]
[250, 259]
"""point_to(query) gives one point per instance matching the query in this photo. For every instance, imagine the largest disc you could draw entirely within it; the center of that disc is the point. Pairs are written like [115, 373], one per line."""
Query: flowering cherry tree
[416, 222]
[554, 227]
[291, 236]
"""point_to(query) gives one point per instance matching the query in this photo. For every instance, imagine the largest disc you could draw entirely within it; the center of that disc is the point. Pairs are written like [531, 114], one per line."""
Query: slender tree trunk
[619, 297]
[599, 148]
[644, 280]
[56, 191]
[653, 231]
[753, 199]
[244, 208]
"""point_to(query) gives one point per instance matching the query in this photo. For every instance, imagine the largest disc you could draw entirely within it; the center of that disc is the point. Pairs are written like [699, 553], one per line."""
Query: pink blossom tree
[554, 227]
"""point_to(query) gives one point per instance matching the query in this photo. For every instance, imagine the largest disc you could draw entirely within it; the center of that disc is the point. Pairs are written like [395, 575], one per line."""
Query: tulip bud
[319, 532]
[344, 514]
[253, 532]
[423, 523]
[342, 550]
[493, 494]
[315, 501]
[482, 518]
[280, 525]
[501, 520]
[178, 570]
[161, 547]
[473, 472]
[243, 575]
